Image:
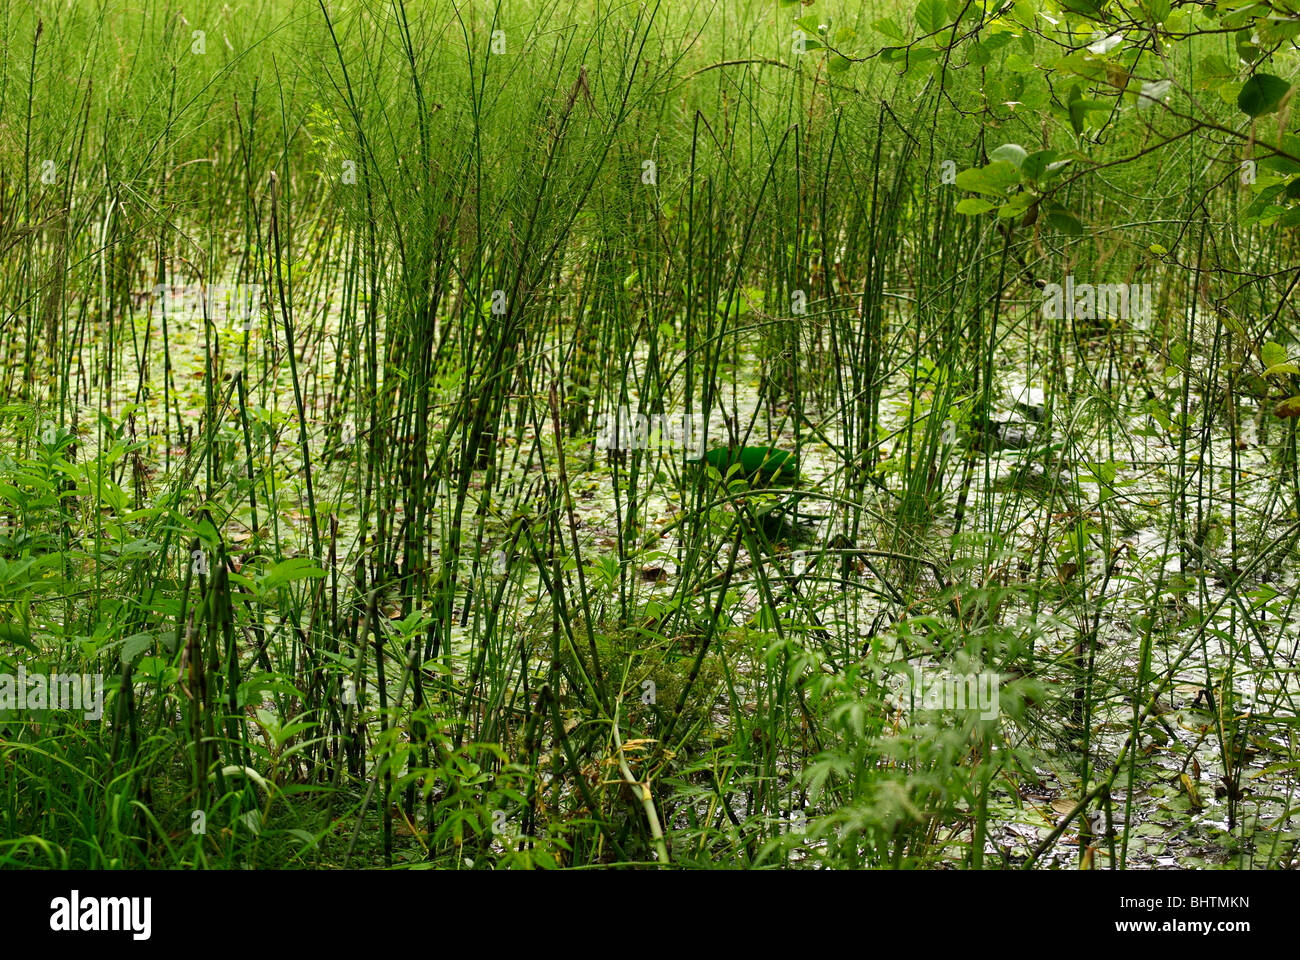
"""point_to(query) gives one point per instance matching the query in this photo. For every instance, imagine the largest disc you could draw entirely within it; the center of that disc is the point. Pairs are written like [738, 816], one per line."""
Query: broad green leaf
[18, 635]
[135, 645]
[1035, 164]
[752, 460]
[931, 15]
[1283, 164]
[1079, 108]
[890, 28]
[1016, 206]
[1272, 32]
[973, 206]
[1012, 153]
[1087, 8]
[994, 179]
[1275, 360]
[917, 58]
[1215, 67]
[286, 571]
[1156, 10]
[1066, 222]
[1261, 94]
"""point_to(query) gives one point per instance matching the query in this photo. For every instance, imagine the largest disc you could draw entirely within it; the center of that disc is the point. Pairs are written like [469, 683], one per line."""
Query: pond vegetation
[749, 434]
